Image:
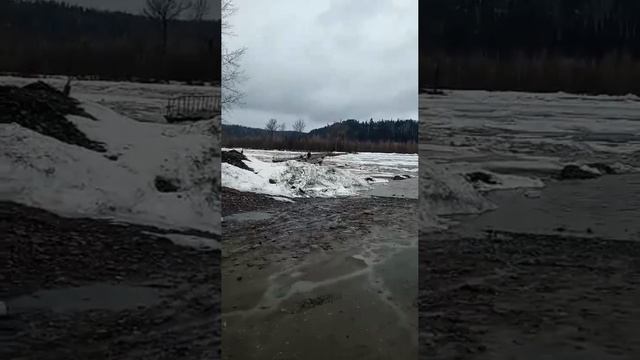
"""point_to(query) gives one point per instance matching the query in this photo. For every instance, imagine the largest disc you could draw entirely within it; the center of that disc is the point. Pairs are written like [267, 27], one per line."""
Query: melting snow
[41, 171]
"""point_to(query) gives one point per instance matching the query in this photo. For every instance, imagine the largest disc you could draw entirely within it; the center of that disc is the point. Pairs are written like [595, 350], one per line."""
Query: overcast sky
[326, 60]
[130, 6]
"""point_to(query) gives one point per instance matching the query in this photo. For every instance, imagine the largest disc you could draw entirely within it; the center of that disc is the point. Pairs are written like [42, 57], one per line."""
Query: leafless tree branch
[232, 75]
[299, 125]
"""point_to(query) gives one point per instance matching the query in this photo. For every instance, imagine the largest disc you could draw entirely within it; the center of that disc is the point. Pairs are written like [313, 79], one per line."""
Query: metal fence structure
[184, 108]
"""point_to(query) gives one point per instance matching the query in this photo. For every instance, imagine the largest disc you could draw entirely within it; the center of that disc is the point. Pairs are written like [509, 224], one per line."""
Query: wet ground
[555, 274]
[551, 273]
[607, 207]
[301, 280]
[92, 289]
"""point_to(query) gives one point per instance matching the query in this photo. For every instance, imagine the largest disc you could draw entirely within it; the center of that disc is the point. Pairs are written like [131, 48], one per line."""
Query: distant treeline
[584, 46]
[399, 136]
[48, 37]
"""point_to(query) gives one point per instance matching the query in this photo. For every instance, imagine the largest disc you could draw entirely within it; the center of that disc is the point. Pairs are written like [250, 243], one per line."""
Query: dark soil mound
[572, 172]
[164, 184]
[43, 109]
[479, 176]
[235, 158]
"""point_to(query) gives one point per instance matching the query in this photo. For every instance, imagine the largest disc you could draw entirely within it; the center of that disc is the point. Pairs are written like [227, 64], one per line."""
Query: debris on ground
[42, 108]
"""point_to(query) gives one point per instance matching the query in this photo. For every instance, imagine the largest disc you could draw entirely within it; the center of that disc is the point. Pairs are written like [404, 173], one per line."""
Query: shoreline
[499, 289]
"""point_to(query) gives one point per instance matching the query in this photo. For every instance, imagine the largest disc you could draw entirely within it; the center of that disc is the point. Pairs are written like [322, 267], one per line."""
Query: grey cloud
[326, 60]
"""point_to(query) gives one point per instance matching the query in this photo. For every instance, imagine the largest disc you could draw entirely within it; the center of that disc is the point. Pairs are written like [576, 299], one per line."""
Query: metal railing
[193, 106]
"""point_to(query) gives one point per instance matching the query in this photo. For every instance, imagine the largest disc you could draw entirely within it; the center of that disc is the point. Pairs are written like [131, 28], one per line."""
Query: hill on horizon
[350, 130]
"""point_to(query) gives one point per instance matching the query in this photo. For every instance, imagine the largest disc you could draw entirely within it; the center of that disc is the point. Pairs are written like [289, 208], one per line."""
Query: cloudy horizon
[326, 61]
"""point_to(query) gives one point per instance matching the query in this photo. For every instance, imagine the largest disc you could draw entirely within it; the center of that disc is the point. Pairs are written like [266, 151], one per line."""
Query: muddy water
[315, 300]
[607, 207]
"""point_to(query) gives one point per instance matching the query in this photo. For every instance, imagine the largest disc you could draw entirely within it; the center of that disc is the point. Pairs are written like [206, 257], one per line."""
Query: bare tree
[299, 125]
[200, 9]
[272, 126]
[165, 11]
[232, 74]
[282, 127]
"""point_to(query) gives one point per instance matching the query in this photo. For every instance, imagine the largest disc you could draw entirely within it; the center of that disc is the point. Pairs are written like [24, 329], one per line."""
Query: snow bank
[378, 166]
[448, 193]
[292, 179]
[41, 171]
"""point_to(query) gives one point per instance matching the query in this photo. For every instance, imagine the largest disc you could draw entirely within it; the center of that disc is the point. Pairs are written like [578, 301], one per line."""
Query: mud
[92, 289]
[557, 274]
[304, 283]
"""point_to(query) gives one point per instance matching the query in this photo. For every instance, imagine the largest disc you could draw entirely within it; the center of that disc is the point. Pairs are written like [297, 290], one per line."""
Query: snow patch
[43, 172]
[283, 199]
[291, 179]
[447, 193]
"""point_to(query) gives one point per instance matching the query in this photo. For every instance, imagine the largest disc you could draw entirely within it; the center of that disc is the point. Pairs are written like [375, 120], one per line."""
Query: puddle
[399, 273]
[324, 273]
[607, 207]
[249, 216]
[407, 188]
[93, 297]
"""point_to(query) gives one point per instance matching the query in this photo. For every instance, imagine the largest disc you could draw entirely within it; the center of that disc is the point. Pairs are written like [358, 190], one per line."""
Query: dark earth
[517, 296]
[41, 251]
[43, 109]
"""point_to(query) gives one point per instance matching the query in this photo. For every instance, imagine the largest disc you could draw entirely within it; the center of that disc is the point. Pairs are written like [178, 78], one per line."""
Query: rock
[166, 185]
[272, 181]
[479, 176]
[573, 172]
[369, 179]
[398, 177]
[113, 157]
[407, 176]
